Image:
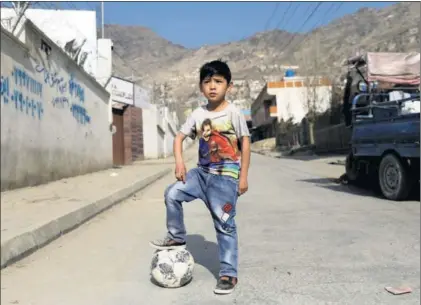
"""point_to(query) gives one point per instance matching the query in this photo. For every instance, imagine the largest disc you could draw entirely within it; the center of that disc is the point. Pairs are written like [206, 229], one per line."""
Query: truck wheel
[351, 167]
[394, 178]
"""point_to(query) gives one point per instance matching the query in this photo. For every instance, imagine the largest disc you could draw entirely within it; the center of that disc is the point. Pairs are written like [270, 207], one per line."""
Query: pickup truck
[382, 108]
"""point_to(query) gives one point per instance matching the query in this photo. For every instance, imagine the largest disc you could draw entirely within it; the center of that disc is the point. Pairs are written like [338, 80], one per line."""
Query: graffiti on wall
[25, 94]
[76, 90]
[70, 94]
[52, 79]
[80, 114]
[24, 80]
[60, 102]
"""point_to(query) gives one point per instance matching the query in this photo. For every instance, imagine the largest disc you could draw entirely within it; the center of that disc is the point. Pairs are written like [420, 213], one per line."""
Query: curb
[22, 245]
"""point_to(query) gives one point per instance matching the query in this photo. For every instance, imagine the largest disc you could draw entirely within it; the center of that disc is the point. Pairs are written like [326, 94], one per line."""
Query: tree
[314, 78]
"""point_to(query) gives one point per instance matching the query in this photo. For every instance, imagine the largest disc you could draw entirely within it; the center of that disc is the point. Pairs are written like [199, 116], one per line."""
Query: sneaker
[166, 244]
[225, 285]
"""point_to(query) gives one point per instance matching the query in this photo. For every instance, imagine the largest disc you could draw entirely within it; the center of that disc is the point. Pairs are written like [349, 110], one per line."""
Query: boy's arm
[178, 147]
[243, 134]
[188, 129]
[245, 157]
[180, 167]
[245, 163]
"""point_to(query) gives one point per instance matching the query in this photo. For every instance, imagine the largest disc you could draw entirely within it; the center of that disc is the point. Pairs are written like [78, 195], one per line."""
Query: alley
[303, 240]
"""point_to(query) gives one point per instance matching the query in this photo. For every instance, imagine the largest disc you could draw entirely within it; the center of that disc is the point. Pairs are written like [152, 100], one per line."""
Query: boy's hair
[216, 67]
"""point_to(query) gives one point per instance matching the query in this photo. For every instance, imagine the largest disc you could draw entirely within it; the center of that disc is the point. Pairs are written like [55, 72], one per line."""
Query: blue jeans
[219, 193]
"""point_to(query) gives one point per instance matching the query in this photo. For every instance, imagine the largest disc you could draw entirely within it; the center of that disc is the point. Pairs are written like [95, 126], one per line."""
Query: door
[118, 139]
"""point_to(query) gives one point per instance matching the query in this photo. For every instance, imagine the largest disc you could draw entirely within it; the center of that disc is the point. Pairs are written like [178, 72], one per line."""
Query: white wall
[64, 25]
[170, 133]
[150, 133]
[105, 63]
[105, 67]
[291, 102]
[159, 131]
[142, 97]
[54, 116]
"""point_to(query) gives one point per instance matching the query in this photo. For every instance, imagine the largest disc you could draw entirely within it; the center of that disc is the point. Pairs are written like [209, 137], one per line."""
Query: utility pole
[102, 18]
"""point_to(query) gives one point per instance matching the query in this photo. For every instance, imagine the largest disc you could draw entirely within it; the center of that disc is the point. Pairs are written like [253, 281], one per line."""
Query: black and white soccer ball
[172, 268]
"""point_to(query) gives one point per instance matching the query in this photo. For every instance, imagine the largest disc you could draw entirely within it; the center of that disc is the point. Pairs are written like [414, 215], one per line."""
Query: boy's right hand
[180, 171]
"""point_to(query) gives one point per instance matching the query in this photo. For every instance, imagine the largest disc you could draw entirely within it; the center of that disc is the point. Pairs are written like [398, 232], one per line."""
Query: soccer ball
[172, 268]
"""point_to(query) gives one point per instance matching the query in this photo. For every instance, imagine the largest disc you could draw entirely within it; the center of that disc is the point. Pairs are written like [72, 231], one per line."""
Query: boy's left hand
[243, 186]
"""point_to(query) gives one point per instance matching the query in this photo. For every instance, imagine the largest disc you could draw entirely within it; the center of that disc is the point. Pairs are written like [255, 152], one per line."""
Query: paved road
[302, 241]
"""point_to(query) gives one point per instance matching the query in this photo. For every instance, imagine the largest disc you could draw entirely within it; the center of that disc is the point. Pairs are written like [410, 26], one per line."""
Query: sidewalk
[34, 216]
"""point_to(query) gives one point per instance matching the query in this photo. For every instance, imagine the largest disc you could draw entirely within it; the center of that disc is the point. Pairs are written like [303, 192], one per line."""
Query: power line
[304, 23]
[271, 17]
[308, 35]
[284, 15]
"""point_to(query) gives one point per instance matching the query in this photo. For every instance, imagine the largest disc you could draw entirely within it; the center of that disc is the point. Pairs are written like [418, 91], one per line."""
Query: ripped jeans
[219, 193]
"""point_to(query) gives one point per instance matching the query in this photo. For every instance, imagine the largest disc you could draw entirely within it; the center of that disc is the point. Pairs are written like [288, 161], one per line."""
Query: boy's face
[215, 88]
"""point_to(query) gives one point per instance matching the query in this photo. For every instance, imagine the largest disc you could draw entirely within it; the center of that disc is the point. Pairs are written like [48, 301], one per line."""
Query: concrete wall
[150, 133]
[105, 63]
[332, 139]
[54, 116]
[170, 132]
[159, 131]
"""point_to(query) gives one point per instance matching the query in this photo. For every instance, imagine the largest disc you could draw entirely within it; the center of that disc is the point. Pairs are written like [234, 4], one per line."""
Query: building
[74, 31]
[288, 100]
[54, 115]
[263, 115]
[247, 117]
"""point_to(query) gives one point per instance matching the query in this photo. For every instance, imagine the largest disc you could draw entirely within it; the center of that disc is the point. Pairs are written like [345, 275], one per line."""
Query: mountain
[170, 71]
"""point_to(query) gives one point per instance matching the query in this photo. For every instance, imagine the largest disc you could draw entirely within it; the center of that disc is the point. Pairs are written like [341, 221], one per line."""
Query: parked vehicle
[382, 107]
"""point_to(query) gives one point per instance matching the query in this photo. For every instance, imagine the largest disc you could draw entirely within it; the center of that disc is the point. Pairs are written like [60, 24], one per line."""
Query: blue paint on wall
[76, 90]
[24, 103]
[5, 89]
[27, 91]
[24, 80]
[80, 114]
[52, 79]
[60, 102]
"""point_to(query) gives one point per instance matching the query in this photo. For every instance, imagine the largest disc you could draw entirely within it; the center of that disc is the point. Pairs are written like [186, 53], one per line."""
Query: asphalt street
[303, 240]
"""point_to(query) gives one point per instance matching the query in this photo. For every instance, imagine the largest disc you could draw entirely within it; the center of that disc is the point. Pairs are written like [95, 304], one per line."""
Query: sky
[194, 24]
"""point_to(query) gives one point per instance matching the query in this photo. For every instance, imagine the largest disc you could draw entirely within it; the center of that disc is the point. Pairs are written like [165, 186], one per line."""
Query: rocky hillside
[170, 71]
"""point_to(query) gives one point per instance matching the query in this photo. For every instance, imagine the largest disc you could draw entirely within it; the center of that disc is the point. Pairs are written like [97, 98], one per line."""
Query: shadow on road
[204, 252]
[334, 158]
[369, 190]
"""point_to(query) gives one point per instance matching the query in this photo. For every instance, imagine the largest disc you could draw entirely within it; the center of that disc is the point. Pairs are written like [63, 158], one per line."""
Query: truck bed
[400, 133]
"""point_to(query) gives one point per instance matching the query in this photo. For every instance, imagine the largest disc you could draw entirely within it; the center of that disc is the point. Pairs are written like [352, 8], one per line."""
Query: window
[45, 47]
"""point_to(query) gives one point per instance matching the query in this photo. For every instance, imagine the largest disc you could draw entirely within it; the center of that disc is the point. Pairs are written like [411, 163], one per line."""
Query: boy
[221, 175]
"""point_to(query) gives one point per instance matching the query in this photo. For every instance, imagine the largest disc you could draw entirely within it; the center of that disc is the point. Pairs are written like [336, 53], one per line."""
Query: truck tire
[394, 178]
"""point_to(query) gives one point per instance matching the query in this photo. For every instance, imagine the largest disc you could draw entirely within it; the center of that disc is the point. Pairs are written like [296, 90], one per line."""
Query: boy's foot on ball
[225, 285]
[166, 244]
